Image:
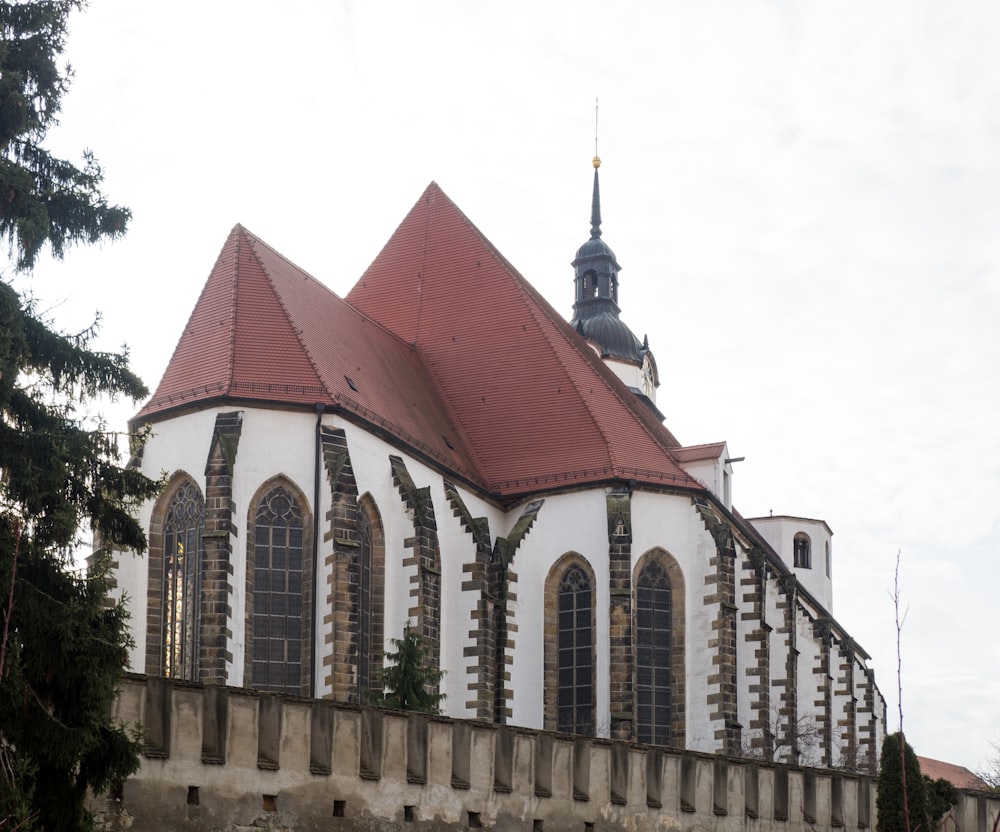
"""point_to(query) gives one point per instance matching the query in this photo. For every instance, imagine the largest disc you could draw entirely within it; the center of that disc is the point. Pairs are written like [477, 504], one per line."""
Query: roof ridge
[234, 293]
[296, 329]
[525, 287]
[481, 369]
[701, 445]
[426, 359]
[319, 283]
[595, 361]
[569, 374]
[258, 240]
[598, 365]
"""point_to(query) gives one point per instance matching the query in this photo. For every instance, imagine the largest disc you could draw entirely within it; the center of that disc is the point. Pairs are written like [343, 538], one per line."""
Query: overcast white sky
[804, 197]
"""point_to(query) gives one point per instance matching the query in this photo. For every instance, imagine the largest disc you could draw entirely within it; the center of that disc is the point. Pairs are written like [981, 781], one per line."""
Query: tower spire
[595, 206]
[596, 310]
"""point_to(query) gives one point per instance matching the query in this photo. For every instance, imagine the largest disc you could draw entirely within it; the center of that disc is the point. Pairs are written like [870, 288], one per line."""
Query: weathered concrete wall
[227, 759]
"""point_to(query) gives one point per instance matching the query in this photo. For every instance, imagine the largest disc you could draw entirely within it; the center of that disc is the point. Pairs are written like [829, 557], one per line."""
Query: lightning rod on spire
[597, 110]
[597, 104]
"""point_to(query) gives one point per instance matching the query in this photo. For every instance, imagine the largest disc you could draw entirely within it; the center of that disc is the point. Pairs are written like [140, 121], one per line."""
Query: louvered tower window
[278, 637]
[575, 713]
[182, 566]
[653, 655]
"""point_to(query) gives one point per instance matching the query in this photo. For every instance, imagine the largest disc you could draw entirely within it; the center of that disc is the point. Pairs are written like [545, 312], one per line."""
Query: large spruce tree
[62, 650]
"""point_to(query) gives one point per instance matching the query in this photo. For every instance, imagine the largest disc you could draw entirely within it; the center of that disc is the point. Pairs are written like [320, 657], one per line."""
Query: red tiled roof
[441, 344]
[959, 776]
[696, 453]
[265, 331]
[535, 405]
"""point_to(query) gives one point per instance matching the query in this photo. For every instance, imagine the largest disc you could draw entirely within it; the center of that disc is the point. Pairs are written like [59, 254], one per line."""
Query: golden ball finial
[597, 162]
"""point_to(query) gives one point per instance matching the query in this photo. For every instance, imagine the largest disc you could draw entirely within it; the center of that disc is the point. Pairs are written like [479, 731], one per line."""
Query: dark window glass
[803, 555]
[652, 651]
[365, 659]
[575, 713]
[278, 603]
[182, 563]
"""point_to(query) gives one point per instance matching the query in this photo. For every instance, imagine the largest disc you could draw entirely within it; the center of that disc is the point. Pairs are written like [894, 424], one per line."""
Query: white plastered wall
[373, 475]
[283, 443]
[574, 522]
[780, 533]
[671, 522]
[808, 693]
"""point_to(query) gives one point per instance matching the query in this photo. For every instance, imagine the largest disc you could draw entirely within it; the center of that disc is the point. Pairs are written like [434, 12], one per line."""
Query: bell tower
[596, 310]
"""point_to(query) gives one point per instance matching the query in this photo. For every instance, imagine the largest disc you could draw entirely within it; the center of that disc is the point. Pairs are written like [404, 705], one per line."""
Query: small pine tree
[891, 816]
[410, 681]
[941, 796]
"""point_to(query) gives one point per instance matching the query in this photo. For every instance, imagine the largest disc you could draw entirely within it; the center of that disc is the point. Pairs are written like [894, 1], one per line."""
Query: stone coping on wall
[231, 758]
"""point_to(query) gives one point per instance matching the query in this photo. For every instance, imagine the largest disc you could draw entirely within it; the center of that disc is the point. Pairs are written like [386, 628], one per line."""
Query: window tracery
[575, 694]
[182, 567]
[653, 657]
[279, 629]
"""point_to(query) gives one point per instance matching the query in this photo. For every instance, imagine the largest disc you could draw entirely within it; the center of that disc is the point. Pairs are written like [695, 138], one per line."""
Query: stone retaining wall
[222, 758]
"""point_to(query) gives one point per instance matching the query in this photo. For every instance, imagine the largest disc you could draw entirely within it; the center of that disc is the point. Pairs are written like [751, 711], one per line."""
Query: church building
[442, 448]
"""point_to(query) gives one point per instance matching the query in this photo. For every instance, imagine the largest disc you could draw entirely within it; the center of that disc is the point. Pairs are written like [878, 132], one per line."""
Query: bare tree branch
[899, 688]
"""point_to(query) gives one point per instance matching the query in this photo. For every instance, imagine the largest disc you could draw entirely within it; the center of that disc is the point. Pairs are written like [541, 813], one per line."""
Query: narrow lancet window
[653, 655]
[182, 563]
[575, 653]
[279, 638]
[366, 662]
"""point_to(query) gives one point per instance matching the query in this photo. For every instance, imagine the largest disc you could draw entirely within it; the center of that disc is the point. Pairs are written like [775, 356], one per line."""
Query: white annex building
[442, 447]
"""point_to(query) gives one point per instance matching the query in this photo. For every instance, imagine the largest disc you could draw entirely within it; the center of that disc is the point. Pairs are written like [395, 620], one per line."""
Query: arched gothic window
[182, 570]
[367, 598]
[279, 624]
[575, 690]
[653, 658]
[658, 616]
[366, 664]
[803, 554]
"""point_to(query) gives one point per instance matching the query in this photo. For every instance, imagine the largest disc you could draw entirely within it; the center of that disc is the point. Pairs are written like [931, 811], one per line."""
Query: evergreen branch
[9, 612]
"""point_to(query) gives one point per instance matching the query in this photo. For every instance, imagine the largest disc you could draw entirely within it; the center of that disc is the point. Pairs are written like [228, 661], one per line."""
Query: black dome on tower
[595, 311]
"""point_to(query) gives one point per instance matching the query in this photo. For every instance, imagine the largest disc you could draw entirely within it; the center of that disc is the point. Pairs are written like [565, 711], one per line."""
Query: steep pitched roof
[441, 344]
[265, 331]
[534, 404]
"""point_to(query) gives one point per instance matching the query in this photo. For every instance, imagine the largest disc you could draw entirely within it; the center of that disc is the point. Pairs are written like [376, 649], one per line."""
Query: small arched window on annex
[279, 590]
[370, 597]
[802, 551]
[570, 657]
[659, 630]
[175, 565]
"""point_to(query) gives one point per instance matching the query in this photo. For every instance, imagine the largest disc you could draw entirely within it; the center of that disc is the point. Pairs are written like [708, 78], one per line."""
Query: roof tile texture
[441, 344]
[534, 403]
